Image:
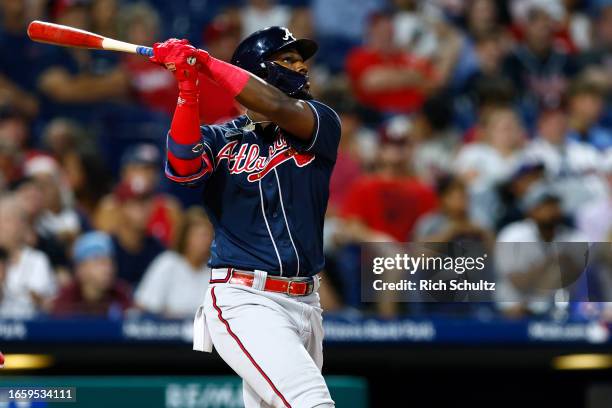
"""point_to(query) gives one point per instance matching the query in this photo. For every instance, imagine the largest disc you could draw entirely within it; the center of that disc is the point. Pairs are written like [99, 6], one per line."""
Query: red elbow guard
[185, 131]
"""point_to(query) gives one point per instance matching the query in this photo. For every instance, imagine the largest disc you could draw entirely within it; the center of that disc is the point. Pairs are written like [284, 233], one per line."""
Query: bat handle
[146, 51]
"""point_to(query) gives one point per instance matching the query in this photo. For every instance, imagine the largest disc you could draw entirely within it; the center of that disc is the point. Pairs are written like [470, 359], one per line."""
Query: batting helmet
[254, 52]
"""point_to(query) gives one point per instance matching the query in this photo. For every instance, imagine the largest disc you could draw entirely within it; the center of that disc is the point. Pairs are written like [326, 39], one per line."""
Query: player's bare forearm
[293, 115]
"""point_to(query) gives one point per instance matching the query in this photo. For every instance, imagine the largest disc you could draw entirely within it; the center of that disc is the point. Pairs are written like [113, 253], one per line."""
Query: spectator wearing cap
[175, 283]
[95, 291]
[150, 85]
[572, 166]
[384, 206]
[134, 246]
[485, 164]
[140, 169]
[586, 101]
[537, 68]
[525, 269]
[544, 220]
[217, 105]
[386, 78]
[512, 191]
[29, 283]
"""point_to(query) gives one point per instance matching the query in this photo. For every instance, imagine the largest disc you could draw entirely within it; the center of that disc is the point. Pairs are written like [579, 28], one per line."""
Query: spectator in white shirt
[485, 164]
[572, 166]
[29, 282]
[175, 283]
[532, 271]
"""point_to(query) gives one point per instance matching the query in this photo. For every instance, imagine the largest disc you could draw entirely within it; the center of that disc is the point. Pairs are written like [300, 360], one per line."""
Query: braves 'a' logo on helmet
[288, 36]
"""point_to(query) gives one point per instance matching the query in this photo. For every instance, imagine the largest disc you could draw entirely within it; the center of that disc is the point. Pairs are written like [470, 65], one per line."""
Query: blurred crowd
[462, 120]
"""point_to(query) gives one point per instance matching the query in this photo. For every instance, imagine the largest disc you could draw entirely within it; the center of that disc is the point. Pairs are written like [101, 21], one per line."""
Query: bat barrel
[62, 35]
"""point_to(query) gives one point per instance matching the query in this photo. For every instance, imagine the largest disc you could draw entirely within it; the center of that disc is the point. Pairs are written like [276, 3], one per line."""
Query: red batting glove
[179, 57]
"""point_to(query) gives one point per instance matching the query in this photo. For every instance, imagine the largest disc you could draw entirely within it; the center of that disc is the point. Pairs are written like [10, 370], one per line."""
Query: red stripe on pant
[244, 350]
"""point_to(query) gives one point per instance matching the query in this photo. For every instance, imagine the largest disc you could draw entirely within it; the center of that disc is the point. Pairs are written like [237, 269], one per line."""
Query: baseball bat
[57, 34]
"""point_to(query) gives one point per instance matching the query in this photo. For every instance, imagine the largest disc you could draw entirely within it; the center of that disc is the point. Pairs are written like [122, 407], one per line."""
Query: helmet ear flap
[290, 82]
[262, 70]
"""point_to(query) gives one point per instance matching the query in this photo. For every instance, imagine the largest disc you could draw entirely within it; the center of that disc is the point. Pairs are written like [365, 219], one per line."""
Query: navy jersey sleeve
[207, 149]
[326, 135]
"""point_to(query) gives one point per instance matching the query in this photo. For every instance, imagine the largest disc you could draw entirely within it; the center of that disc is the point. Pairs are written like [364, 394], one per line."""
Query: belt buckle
[309, 286]
[288, 291]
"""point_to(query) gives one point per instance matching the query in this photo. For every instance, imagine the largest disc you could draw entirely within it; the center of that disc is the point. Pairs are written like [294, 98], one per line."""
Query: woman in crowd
[174, 284]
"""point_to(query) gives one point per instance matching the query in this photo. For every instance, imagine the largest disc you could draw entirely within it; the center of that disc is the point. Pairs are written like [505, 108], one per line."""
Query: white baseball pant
[273, 341]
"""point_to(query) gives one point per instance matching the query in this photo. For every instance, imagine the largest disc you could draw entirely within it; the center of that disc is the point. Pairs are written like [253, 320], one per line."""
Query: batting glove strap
[188, 151]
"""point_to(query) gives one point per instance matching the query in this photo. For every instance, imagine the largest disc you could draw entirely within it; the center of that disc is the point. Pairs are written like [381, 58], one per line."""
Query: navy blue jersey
[267, 195]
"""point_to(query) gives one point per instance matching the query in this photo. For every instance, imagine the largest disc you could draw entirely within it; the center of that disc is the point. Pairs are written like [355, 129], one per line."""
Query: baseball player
[266, 177]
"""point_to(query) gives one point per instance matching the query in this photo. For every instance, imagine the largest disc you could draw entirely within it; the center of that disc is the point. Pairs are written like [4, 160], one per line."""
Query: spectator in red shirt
[95, 291]
[385, 205]
[385, 77]
[217, 105]
[150, 84]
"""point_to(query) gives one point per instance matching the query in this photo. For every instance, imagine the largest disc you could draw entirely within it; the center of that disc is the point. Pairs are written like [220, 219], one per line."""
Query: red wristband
[228, 76]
